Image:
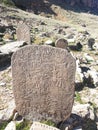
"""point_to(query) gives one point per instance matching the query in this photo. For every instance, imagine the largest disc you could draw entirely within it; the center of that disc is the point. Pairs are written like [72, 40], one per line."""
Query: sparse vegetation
[3, 125]
[25, 125]
[49, 122]
[78, 98]
[7, 2]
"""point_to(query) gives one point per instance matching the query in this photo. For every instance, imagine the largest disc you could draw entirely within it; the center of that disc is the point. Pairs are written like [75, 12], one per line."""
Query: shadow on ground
[39, 6]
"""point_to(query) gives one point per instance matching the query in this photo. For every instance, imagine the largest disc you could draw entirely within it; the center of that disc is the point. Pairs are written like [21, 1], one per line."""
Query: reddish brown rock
[43, 82]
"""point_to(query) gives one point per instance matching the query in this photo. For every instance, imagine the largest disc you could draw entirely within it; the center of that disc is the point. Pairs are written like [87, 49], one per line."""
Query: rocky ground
[79, 29]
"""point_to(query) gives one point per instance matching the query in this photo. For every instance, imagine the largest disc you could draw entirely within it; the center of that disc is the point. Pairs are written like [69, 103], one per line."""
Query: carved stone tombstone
[61, 43]
[43, 82]
[23, 33]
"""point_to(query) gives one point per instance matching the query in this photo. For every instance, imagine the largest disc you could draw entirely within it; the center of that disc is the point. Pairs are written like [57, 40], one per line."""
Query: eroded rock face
[43, 82]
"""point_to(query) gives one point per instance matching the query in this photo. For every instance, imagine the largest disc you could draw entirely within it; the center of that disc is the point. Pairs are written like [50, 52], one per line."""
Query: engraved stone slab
[61, 43]
[40, 126]
[43, 82]
[23, 33]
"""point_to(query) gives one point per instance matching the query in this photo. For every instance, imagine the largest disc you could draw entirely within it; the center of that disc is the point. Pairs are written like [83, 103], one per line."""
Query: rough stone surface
[40, 126]
[61, 43]
[23, 33]
[43, 82]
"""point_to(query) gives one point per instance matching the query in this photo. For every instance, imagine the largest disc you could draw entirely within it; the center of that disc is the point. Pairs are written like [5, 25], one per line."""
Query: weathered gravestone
[40, 126]
[61, 43]
[23, 33]
[43, 82]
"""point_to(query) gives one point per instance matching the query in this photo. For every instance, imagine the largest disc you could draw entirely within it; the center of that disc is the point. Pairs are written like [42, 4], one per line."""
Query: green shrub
[49, 122]
[78, 98]
[25, 125]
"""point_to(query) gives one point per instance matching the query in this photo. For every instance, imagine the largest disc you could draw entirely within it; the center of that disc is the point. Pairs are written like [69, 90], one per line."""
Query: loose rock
[61, 43]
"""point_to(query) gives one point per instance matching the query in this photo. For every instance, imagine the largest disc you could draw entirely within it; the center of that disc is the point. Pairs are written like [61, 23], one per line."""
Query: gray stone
[94, 76]
[79, 75]
[91, 42]
[2, 84]
[78, 128]
[23, 33]
[61, 43]
[84, 110]
[40, 126]
[88, 58]
[74, 121]
[49, 42]
[71, 40]
[43, 82]
[95, 46]
[12, 47]
[7, 113]
[79, 46]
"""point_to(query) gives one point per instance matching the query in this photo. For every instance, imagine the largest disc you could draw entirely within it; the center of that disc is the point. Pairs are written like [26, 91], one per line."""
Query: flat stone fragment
[7, 50]
[61, 43]
[23, 33]
[40, 126]
[43, 82]
[12, 47]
